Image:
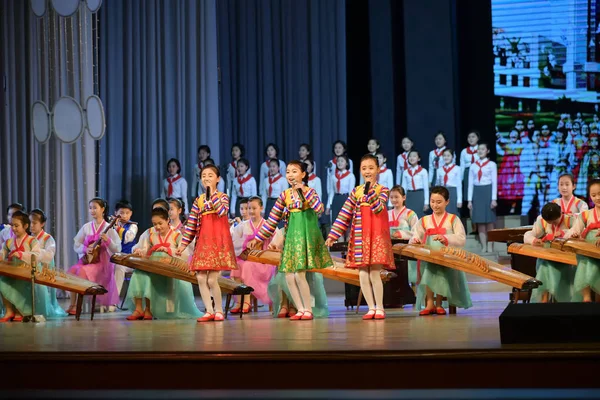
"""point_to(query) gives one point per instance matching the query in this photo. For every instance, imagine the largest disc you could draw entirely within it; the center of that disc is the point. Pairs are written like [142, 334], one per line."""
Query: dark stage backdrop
[283, 77]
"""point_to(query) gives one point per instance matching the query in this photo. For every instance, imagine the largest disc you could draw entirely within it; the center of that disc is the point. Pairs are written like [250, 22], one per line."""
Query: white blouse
[489, 176]
[467, 159]
[47, 247]
[455, 231]
[247, 189]
[347, 182]
[315, 182]
[278, 185]
[385, 177]
[180, 189]
[264, 172]
[454, 179]
[437, 153]
[419, 181]
[401, 165]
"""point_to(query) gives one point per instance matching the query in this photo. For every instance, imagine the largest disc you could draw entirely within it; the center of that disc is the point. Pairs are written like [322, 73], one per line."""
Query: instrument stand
[32, 318]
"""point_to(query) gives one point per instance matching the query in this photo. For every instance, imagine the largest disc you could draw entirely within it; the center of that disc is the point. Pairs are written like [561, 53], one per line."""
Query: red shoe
[236, 310]
[136, 316]
[380, 314]
[297, 316]
[72, 310]
[148, 317]
[427, 312]
[282, 314]
[18, 319]
[246, 310]
[8, 318]
[219, 316]
[307, 316]
[369, 315]
[440, 311]
[206, 317]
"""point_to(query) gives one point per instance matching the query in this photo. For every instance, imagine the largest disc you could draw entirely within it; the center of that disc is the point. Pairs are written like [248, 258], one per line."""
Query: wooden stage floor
[459, 351]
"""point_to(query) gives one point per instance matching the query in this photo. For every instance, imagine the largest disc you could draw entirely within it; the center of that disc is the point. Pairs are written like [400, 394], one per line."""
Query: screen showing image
[547, 90]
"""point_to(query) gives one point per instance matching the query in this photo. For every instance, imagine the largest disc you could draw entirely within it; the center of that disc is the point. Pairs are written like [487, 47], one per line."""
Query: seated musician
[437, 230]
[127, 231]
[253, 274]
[16, 294]
[557, 277]
[587, 227]
[164, 298]
[402, 221]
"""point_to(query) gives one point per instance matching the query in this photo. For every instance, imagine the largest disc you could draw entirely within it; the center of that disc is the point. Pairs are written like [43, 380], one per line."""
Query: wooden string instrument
[506, 235]
[544, 253]
[94, 256]
[577, 246]
[465, 261]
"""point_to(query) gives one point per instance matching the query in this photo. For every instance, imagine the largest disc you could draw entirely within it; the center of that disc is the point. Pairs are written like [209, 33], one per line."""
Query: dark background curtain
[283, 77]
[159, 85]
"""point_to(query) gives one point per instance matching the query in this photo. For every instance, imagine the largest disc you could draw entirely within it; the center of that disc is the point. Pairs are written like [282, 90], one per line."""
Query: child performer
[339, 149]
[175, 185]
[314, 182]
[568, 202]
[273, 186]
[7, 232]
[47, 245]
[102, 272]
[16, 294]
[304, 249]
[305, 153]
[437, 230]
[221, 184]
[468, 156]
[208, 225]
[176, 215]
[385, 177]
[402, 220]
[482, 193]
[587, 227]
[244, 186]
[557, 277]
[435, 156]
[253, 274]
[402, 161]
[416, 185]
[243, 214]
[449, 176]
[271, 151]
[370, 247]
[373, 146]
[127, 231]
[341, 184]
[203, 154]
[237, 152]
[165, 298]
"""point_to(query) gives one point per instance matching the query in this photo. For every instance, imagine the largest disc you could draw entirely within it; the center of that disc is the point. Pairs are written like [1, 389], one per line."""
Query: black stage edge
[510, 368]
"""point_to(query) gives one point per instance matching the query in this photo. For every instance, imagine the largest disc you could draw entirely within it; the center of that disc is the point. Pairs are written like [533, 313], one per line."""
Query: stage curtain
[159, 84]
[283, 77]
[58, 178]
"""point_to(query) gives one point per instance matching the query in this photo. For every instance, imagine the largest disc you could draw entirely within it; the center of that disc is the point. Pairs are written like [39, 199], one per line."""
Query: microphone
[367, 187]
[300, 194]
[208, 192]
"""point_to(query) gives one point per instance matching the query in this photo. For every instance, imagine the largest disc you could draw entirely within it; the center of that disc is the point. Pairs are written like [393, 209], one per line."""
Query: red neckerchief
[480, 172]
[339, 176]
[592, 226]
[567, 209]
[171, 180]
[412, 175]
[405, 158]
[472, 152]
[241, 180]
[438, 153]
[200, 165]
[312, 177]
[161, 243]
[272, 180]
[556, 231]
[436, 230]
[19, 249]
[447, 171]
[396, 218]
[382, 169]
[234, 165]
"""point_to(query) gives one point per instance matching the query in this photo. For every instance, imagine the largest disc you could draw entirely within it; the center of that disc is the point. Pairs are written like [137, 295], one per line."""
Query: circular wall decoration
[40, 121]
[66, 8]
[93, 5]
[67, 119]
[38, 7]
[95, 121]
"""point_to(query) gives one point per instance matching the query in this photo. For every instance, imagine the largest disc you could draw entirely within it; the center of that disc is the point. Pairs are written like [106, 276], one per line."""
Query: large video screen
[547, 90]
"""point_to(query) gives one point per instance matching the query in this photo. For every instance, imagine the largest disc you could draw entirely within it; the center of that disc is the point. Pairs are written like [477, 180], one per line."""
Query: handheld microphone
[300, 194]
[208, 192]
[367, 187]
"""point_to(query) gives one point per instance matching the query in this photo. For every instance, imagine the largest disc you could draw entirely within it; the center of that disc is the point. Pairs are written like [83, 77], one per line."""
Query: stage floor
[460, 351]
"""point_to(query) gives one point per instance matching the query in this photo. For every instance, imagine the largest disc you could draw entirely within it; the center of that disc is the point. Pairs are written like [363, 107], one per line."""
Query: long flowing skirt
[444, 281]
[257, 276]
[278, 285]
[102, 273]
[557, 279]
[169, 298]
[304, 247]
[376, 242]
[214, 247]
[587, 273]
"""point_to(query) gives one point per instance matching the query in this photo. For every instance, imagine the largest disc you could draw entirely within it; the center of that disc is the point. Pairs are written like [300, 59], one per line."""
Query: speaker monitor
[550, 323]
